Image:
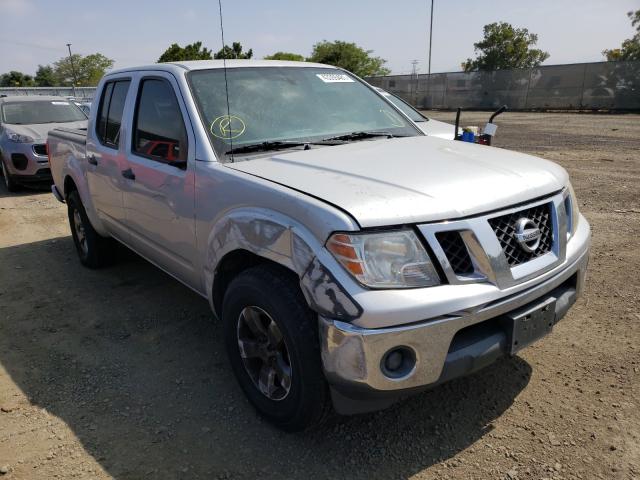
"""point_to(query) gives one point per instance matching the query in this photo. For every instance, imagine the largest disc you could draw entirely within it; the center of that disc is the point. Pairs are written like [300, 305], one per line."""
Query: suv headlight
[394, 259]
[573, 212]
[16, 137]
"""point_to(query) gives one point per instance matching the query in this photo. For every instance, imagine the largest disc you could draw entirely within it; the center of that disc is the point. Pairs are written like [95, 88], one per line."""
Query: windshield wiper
[280, 144]
[361, 136]
[265, 146]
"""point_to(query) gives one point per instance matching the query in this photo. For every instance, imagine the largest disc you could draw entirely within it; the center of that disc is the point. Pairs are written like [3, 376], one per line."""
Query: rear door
[106, 156]
[159, 192]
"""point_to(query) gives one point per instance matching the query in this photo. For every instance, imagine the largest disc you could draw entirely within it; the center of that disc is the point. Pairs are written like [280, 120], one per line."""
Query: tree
[45, 76]
[193, 51]
[504, 47]
[16, 79]
[350, 57]
[89, 69]
[235, 51]
[285, 56]
[630, 48]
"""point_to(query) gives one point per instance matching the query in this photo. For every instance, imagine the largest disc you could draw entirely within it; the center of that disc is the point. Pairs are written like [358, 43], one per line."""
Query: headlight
[571, 207]
[16, 137]
[394, 259]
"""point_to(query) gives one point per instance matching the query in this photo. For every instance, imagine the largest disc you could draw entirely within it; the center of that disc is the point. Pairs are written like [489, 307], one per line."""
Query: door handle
[128, 173]
[92, 160]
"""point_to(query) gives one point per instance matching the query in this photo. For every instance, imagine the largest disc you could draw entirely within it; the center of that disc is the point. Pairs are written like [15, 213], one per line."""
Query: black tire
[9, 182]
[94, 250]
[276, 292]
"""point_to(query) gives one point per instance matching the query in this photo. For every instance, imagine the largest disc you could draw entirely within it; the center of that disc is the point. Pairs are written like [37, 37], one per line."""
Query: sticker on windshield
[59, 103]
[227, 127]
[334, 78]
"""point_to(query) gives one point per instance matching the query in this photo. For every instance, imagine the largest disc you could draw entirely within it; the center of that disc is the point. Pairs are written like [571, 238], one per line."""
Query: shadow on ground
[131, 360]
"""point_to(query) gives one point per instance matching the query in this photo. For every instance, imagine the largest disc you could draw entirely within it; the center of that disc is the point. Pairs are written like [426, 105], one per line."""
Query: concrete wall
[602, 85]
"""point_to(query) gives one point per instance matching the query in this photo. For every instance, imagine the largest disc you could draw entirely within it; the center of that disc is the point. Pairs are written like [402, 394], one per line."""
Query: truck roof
[209, 64]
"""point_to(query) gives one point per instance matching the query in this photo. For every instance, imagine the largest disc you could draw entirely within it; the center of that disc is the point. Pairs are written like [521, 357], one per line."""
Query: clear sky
[134, 32]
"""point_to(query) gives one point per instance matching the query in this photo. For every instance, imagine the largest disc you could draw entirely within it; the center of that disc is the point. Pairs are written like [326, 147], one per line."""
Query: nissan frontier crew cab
[350, 258]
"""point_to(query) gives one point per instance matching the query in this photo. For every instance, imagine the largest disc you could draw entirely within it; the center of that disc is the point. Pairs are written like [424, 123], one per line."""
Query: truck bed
[76, 135]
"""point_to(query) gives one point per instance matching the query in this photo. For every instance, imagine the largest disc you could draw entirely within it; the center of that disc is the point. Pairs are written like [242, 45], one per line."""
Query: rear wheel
[271, 337]
[94, 250]
[11, 185]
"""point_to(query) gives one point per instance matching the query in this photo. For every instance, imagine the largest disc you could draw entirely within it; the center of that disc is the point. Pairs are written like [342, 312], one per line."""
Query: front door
[159, 192]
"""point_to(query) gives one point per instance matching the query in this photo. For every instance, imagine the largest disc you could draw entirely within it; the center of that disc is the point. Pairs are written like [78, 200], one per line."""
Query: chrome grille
[505, 229]
[456, 252]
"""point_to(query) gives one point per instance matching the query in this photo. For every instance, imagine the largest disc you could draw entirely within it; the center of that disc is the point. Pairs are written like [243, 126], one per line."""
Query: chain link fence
[84, 93]
[580, 86]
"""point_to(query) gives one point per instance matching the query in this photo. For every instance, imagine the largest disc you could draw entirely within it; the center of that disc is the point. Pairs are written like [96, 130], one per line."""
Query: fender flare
[278, 238]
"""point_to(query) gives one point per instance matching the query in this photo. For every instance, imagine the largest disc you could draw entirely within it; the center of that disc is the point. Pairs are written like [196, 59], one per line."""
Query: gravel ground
[121, 373]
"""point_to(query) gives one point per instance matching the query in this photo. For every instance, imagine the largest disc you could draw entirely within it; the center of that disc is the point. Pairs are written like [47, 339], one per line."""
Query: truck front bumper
[445, 347]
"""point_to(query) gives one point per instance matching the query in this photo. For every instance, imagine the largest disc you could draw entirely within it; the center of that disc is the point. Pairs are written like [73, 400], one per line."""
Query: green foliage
[504, 47]
[235, 51]
[285, 56]
[45, 76]
[193, 51]
[16, 79]
[350, 57]
[89, 69]
[630, 48]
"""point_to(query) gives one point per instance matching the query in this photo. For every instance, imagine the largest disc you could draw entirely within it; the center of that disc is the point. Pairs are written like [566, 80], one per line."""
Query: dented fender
[281, 239]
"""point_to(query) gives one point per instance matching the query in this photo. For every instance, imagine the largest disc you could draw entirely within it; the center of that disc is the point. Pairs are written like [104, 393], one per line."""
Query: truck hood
[411, 180]
[39, 131]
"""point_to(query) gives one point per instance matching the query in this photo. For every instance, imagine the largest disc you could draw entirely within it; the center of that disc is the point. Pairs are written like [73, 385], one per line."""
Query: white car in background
[429, 126]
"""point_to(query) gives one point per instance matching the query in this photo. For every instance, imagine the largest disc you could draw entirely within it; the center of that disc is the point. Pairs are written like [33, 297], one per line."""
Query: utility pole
[73, 70]
[429, 68]
[430, 37]
[414, 76]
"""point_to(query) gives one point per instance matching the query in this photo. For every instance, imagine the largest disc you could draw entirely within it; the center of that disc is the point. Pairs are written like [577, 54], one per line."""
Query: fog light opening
[398, 362]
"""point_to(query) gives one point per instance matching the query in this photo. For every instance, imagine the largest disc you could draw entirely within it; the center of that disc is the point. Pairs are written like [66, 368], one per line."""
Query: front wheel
[94, 250]
[9, 182]
[271, 337]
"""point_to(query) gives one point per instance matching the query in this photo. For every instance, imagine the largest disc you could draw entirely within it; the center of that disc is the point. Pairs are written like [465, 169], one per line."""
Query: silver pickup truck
[349, 258]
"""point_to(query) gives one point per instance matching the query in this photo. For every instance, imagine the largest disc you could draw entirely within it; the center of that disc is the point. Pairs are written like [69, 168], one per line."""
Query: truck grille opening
[40, 149]
[456, 252]
[505, 229]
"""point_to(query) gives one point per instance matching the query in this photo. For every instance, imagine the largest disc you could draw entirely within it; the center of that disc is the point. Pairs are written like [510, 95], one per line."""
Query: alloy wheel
[80, 232]
[264, 353]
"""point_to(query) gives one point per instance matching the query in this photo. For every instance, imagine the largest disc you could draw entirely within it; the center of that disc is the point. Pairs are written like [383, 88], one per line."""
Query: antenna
[226, 85]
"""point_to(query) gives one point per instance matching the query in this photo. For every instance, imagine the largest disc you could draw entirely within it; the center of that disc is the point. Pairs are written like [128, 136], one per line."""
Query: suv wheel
[272, 341]
[94, 250]
[11, 185]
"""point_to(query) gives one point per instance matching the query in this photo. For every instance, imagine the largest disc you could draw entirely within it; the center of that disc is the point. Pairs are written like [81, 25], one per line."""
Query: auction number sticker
[334, 78]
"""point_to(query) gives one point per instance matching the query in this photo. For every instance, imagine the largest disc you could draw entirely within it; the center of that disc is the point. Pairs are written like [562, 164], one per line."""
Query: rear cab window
[111, 108]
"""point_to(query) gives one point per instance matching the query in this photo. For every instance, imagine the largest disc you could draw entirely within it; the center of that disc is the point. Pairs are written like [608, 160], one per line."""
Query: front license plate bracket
[530, 323]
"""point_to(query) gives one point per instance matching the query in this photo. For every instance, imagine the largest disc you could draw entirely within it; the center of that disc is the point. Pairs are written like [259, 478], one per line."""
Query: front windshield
[407, 109]
[297, 104]
[41, 111]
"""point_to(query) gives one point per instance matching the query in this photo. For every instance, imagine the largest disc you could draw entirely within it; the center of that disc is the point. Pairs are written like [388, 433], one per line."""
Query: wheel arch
[76, 180]
[247, 237]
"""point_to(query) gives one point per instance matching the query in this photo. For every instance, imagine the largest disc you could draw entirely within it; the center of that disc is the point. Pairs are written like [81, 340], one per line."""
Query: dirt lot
[121, 373]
